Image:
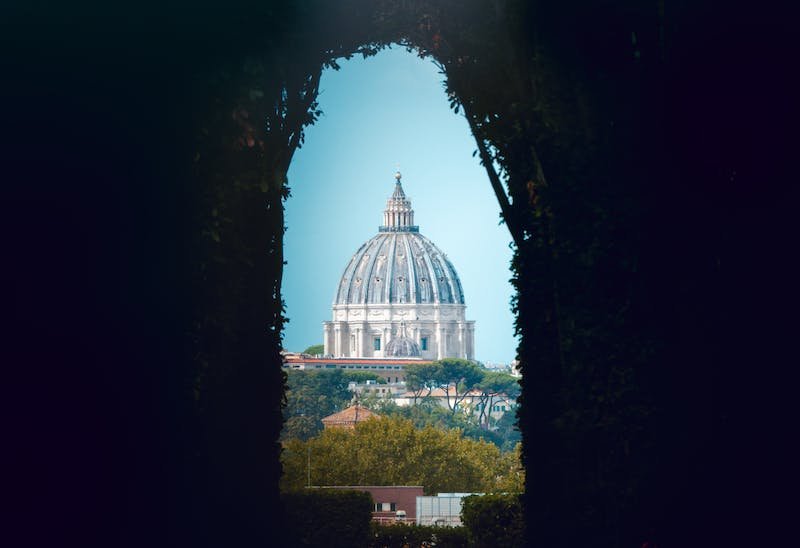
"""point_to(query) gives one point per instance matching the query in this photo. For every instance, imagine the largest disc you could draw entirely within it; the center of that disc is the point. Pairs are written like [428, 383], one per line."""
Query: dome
[399, 265]
[393, 268]
[399, 297]
[402, 346]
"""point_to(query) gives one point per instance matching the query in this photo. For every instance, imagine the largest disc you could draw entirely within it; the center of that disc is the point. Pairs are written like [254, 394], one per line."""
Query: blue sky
[380, 112]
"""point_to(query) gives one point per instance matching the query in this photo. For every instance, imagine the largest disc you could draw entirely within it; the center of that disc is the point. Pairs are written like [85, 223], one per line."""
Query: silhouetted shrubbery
[493, 520]
[328, 518]
[413, 536]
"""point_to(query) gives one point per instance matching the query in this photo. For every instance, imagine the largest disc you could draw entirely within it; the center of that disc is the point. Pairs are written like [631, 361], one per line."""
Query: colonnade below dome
[440, 331]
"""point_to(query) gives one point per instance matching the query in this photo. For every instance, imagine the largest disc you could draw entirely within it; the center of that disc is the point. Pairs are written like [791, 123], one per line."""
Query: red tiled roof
[349, 416]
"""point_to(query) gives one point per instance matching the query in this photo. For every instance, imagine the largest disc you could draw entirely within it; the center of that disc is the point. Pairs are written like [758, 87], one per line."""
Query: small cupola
[402, 346]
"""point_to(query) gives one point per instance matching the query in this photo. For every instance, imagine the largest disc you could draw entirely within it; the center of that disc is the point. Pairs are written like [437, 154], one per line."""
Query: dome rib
[377, 274]
[432, 281]
[457, 281]
[348, 274]
[412, 274]
[390, 275]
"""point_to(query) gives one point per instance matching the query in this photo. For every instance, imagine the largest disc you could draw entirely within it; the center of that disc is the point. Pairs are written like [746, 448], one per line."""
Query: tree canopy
[313, 395]
[315, 349]
[392, 451]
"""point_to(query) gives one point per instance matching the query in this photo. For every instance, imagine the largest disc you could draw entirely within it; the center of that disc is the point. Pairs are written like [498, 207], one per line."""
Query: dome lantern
[398, 215]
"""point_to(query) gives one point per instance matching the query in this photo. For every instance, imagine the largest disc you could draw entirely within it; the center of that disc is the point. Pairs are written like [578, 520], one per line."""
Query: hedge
[408, 535]
[493, 520]
[330, 518]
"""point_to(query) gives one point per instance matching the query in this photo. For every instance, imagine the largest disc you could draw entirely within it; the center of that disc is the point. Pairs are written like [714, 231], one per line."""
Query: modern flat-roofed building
[443, 509]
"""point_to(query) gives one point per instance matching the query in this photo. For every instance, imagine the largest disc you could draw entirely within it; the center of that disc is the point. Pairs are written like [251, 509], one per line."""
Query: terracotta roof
[349, 416]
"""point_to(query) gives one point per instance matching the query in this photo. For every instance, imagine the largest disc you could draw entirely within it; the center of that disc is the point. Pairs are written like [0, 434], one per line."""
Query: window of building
[423, 343]
[376, 344]
[392, 506]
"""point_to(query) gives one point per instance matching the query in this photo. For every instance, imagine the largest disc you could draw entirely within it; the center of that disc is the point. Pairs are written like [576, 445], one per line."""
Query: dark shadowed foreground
[642, 154]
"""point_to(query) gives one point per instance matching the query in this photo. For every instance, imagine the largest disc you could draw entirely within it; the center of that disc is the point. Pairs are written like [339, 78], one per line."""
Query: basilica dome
[399, 280]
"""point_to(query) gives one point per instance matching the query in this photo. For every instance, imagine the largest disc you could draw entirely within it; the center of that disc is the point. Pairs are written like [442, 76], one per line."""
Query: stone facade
[399, 286]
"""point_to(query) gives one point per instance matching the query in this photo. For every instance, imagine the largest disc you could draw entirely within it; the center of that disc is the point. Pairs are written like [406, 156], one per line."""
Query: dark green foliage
[403, 535]
[492, 385]
[315, 349]
[494, 520]
[391, 451]
[421, 378]
[313, 395]
[327, 517]
[457, 377]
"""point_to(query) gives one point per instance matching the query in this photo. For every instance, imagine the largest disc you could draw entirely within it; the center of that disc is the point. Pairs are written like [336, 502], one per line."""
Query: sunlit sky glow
[379, 113]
